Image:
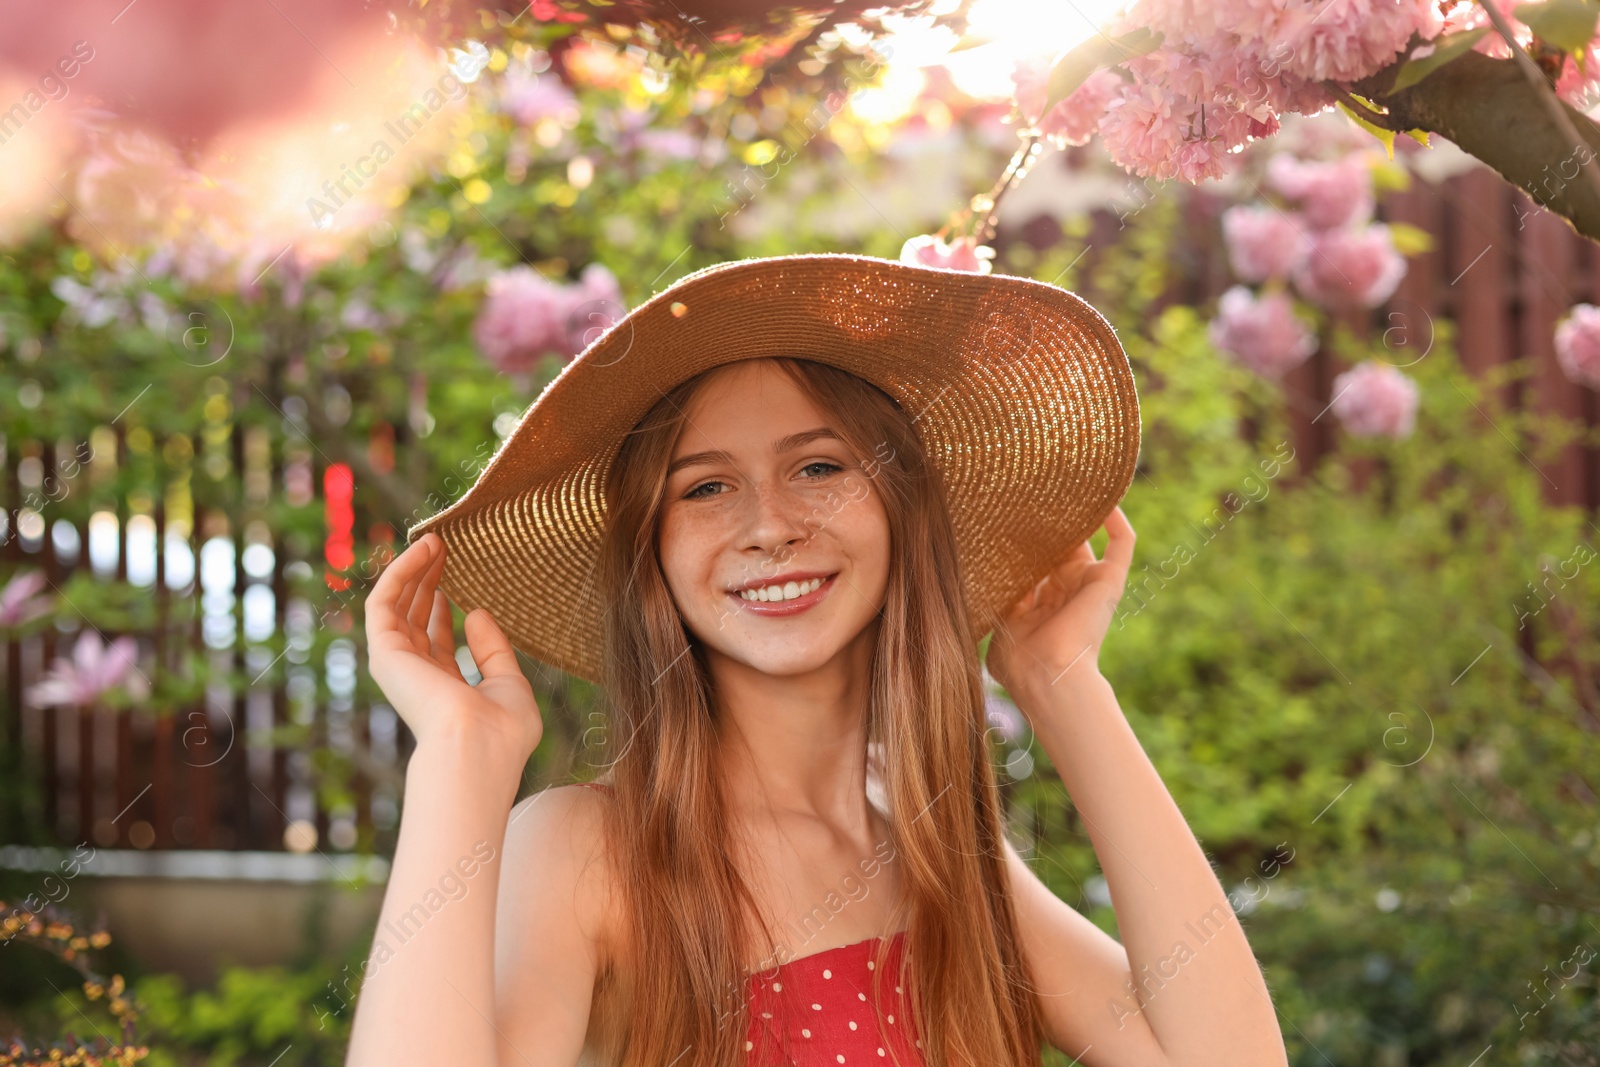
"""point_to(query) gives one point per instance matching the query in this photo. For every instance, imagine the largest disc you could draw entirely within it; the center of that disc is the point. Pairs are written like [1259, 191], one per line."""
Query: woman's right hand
[412, 655]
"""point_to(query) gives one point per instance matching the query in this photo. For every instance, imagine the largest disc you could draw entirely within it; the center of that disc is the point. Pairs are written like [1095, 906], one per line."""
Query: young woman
[797, 851]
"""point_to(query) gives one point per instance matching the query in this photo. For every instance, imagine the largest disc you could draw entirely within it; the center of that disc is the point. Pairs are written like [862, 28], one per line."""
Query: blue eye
[810, 470]
[696, 494]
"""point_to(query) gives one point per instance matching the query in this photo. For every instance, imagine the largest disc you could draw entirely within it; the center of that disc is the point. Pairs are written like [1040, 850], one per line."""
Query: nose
[773, 520]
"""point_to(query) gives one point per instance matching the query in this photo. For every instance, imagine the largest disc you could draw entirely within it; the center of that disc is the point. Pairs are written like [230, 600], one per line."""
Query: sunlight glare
[1015, 29]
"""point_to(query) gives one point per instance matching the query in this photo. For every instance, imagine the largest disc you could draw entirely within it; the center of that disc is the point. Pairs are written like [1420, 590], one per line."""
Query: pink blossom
[1003, 716]
[1471, 16]
[1332, 194]
[1072, 121]
[95, 669]
[1345, 40]
[1375, 399]
[1264, 242]
[1351, 267]
[95, 304]
[263, 262]
[1581, 88]
[630, 131]
[1341, 39]
[20, 602]
[595, 306]
[669, 144]
[1228, 69]
[526, 316]
[1177, 19]
[1143, 128]
[964, 253]
[529, 97]
[1215, 70]
[1578, 345]
[523, 317]
[196, 259]
[1155, 133]
[1262, 334]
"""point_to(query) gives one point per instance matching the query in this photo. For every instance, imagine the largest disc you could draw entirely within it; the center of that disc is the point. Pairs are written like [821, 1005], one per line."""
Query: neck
[796, 744]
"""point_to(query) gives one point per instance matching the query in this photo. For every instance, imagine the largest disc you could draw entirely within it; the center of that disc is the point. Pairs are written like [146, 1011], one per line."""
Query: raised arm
[1183, 988]
[428, 994]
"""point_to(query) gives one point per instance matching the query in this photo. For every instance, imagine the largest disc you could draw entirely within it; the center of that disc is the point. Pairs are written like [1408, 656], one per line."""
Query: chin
[785, 664]
[783, 660]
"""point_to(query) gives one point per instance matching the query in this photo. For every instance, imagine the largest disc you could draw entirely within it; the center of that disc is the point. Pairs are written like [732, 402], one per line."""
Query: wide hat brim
[1019, 390]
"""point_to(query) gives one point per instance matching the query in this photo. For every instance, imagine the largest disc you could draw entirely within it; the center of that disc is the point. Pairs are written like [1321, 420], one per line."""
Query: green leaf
[1567, 24]
[1445, 48]
[1386, 136]
[1390, 176]
[1410, 240]
[1074, 68]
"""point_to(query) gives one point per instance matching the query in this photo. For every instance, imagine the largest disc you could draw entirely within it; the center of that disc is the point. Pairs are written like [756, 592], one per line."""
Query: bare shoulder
[553, 920]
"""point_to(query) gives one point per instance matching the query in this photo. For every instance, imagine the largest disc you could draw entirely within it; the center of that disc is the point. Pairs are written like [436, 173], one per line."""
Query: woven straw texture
[1020, 391]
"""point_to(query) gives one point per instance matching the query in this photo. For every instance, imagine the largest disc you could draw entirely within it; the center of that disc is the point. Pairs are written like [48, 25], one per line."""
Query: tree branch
[1350, 101]
[1546, 91]
[1488, 109]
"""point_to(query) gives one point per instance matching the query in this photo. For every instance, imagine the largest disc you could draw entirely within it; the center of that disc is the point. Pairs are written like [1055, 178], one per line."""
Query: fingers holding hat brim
[1079, 567]
[388, 606]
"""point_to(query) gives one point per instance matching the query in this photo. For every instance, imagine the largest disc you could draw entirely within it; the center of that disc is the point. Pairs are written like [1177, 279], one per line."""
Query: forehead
[754, 402]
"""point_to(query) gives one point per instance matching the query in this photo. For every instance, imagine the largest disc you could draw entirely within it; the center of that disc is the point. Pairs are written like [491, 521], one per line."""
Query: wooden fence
[229, 766]
[233, 769]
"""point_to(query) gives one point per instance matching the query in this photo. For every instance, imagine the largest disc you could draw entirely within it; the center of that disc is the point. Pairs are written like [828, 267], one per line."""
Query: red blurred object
[550, 11]
[190, 68]
[338, 486]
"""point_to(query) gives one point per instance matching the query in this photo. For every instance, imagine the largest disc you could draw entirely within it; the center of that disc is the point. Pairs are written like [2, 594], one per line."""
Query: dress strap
[595, 785]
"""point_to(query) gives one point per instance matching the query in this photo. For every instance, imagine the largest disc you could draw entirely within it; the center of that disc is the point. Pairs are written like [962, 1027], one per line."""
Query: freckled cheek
[689, 547]
[862, 530]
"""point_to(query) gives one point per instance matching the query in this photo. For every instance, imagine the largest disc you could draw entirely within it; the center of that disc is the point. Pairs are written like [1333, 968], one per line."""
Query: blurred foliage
[54, 946]
[1384, 738]
[252, 1016]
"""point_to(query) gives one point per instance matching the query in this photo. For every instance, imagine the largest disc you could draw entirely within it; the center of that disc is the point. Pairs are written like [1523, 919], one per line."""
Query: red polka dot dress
[819, 1011]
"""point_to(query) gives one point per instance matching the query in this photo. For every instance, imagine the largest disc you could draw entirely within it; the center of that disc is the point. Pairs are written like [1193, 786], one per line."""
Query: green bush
[252, 1016]
[1365, 679]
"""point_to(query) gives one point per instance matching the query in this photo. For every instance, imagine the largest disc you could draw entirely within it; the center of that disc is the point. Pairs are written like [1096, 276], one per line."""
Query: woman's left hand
[1056, 629]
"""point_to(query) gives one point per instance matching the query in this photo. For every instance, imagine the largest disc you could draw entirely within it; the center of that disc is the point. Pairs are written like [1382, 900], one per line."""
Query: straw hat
[1020, 392]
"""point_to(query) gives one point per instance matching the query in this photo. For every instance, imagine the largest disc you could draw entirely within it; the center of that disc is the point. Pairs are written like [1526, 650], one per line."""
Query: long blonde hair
[667, 825]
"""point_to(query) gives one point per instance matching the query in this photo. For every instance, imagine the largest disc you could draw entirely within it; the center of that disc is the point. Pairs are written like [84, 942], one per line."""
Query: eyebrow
[782, 444]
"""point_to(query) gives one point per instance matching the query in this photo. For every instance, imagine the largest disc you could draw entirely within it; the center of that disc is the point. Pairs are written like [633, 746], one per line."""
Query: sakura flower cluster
[1578, 345]
[963, 253]
[1373, 399]
[95, 668]
[527, 316]
[1318, 233]
[1225, 71]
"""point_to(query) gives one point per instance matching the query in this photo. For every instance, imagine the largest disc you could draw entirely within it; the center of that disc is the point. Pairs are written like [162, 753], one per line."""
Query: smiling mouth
[783, 598]
[779, 591]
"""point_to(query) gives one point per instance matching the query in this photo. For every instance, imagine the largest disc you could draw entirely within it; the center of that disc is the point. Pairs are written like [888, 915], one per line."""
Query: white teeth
[786, 591]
